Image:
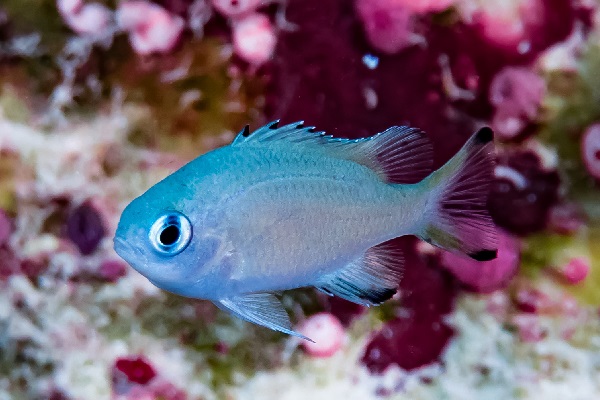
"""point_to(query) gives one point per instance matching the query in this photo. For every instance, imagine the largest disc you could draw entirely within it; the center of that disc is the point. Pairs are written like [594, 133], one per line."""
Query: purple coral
[344, 310]
[522, 193]
[9, 264]
[135, 378]
[135, 369]
[111, 270]
[488, 276]
[85, 228]
[5, 227]
[418, 335]
[408, 343]
[590, 150]
[328, 73]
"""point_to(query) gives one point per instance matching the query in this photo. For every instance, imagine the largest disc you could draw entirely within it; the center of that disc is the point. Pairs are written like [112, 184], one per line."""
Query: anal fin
[262, 309]
[369, 280]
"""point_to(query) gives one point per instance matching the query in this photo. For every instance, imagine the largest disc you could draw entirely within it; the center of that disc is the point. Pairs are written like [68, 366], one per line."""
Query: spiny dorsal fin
[370, 280]
[293, 133]
[399, 154]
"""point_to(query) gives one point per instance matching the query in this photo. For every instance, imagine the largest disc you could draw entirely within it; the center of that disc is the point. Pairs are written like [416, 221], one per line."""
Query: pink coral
[389, 25]
[508, 22]
[85, 19]
[254, 39]
[529, 328]
[326, 331]
[236, 8]
[516, 93]
[576, 270]
[590, 150]
[152, 29]
[486, 276]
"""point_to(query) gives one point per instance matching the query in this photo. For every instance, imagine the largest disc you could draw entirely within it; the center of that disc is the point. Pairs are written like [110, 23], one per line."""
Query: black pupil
[169, 235]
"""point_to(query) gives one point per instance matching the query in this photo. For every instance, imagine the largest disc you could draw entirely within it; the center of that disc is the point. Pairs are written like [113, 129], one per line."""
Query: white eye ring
[171, 233]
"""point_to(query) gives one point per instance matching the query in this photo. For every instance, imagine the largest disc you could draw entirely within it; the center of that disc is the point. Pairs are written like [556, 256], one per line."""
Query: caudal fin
[456, 217]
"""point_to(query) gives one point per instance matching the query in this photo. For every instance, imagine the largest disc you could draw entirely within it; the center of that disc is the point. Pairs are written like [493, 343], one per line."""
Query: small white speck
[524, 47]
[370, 61]
[512, 175]
[371, 98]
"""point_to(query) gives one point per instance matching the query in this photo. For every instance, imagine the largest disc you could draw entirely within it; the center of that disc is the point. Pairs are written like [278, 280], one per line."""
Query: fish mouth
[125, 249]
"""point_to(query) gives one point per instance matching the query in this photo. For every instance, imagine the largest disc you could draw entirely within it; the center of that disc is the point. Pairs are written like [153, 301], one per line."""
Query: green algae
[571, 106]
[546, 252]
[9, 163]
[12, 105]
[41, 17]
[216, 341]
[191, 94]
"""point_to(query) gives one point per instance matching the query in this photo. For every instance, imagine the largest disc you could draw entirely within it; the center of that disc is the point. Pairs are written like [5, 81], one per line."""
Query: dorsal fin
[294, 133]
[399, 154]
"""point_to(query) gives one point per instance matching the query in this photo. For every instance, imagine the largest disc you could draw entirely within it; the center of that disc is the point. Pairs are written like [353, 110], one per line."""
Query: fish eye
[171, 233]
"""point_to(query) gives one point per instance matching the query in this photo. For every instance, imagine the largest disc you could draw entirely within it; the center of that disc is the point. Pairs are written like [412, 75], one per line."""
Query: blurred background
[100, 99]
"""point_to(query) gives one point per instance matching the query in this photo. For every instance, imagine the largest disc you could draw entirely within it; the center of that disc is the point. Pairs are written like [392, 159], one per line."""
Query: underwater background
[100, 99]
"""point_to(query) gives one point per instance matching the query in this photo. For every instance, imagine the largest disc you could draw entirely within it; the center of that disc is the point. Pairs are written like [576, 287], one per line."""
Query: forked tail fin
[456, 217]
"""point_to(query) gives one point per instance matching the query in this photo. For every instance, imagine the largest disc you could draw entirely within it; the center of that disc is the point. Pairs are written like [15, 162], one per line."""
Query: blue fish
[288, 207]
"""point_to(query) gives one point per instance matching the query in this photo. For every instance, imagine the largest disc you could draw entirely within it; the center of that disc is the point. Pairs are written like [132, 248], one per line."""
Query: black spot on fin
[484, 255]
[369, 280]
[484, 135]
[295, 133]
[246, 131]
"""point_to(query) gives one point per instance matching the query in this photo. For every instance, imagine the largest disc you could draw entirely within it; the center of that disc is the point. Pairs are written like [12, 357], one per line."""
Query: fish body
[288, 207]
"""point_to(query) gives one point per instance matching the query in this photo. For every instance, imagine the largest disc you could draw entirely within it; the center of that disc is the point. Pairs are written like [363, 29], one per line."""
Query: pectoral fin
[261, 309]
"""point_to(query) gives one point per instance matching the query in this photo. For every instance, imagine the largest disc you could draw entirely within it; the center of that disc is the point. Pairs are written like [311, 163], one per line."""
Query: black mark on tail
[484, 255]
[484, 135]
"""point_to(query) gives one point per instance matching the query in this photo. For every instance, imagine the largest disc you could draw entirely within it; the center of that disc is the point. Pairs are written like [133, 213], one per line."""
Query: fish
[288, 206]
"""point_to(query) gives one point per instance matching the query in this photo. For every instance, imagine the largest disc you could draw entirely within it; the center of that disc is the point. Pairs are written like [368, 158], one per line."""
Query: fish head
[168, 242]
